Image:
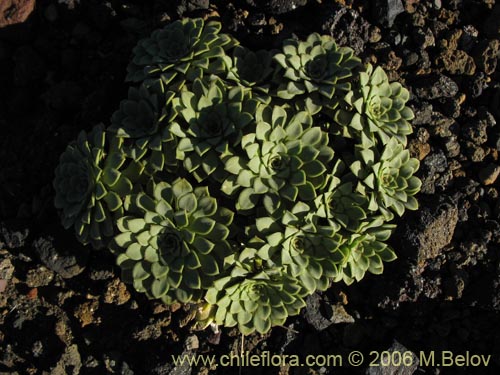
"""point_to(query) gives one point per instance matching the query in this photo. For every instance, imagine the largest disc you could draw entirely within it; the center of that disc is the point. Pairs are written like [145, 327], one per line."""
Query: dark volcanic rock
[6, 267]
[418, 146]
[192, 5]
[321, 314]
[277, 6]
[457, 62]
[423, 37]
[489, 174]
[409, 58]
[476, 84]
[432, 231]
[116, 292]
[454, 286]
[15, 11]
[386, 11]
[486, 54]
[70, 362]
[433, 165]
[12, 239]
[38, 277]
[65, 264]
[436, 86]
[452, 146]
[313, 314]
[475, 131]
[385, 366]
[101, 274]
[347, 27]
[423, 114]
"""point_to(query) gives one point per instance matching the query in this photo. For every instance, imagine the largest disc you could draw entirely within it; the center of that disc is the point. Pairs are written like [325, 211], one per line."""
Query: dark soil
[63, 308]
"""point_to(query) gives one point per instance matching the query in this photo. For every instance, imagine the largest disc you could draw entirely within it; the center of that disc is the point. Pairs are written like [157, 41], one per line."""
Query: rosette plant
[308, 251]
[255, 300]
[183, 50]
[251, 69]
[375, 106]
[217, 185]
[315, 66]
[91, 186]
[339, 204]
[143, 121]
[212, 117]
[387, 179]
[366, 251]
[285, 160]
[173, 243]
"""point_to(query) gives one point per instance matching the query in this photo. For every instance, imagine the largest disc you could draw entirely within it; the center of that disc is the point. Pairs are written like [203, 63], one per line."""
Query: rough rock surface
[432, 232]
[15, 11]
[388, 366]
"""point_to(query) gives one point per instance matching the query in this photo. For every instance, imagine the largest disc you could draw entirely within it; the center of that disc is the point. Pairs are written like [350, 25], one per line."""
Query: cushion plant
[240, 181]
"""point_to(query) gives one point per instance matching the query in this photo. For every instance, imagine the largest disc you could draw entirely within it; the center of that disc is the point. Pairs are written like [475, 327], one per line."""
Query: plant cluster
[243, 181]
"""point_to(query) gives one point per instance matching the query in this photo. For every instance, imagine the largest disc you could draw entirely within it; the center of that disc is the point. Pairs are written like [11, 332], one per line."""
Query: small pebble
[489, 174]
[192, 342]
[3, 285]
